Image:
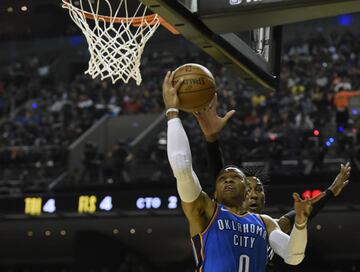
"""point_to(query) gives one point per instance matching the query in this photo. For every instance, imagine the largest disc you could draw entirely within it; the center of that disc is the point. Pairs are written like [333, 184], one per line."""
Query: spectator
[341, 102]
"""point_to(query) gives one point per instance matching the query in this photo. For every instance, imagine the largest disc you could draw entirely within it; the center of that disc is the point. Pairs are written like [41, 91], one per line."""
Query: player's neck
[236, 209]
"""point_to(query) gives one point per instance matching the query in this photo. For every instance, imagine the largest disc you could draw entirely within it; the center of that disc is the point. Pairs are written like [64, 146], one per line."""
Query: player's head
[231, 186]
[255, 200]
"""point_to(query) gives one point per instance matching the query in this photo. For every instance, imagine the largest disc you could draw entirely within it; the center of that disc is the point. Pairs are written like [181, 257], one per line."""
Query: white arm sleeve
[290, 248]
[179, 155]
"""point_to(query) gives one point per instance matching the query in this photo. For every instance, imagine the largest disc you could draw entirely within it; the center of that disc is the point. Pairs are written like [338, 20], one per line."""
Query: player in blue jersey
[229, 238]
[211, 125]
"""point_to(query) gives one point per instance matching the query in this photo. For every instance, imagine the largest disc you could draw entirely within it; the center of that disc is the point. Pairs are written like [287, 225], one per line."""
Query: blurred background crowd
[313, 117]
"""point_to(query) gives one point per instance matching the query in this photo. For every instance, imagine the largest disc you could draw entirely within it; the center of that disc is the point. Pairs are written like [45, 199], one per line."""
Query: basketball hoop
[115, 43]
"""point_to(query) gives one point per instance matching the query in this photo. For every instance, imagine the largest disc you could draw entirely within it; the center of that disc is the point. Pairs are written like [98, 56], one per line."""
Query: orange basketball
[198, 88]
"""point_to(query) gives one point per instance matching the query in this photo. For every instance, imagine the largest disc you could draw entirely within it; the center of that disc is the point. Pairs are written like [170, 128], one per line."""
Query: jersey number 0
[244, 263]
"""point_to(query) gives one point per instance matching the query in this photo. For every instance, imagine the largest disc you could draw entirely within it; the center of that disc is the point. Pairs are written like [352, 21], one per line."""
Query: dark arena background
[85, 183]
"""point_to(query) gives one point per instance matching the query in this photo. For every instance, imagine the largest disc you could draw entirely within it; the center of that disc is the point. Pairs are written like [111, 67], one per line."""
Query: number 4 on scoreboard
[49, 206]
[106, 204]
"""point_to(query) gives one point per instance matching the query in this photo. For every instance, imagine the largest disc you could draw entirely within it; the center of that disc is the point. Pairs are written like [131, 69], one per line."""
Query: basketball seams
[196, 68]
[195, 91]
[198, 89]
[196, 74]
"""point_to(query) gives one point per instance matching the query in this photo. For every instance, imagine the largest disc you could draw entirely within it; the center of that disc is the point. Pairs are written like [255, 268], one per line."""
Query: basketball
[198, 88]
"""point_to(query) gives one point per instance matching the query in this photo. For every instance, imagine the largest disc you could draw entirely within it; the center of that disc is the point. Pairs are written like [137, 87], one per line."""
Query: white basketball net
[116, 46]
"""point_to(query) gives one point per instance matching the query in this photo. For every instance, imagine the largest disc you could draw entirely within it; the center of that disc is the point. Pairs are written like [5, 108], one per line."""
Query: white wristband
[171, 110]
[301, 225]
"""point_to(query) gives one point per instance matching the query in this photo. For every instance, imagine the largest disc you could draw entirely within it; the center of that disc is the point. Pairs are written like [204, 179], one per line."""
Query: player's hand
[341, 179]
[210, 122]
[315, 199]
[302, 208]
[170, 92]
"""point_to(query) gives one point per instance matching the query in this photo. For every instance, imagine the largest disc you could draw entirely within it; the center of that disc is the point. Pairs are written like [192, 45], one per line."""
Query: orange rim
[135, 21]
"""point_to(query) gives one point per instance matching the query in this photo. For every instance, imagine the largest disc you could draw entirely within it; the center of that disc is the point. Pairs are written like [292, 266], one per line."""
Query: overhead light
[47, 233]
[30, 233]
[318, 227]
[10, 9]
[132, 231]
[63, 232]
[24, 8]
[149, 230]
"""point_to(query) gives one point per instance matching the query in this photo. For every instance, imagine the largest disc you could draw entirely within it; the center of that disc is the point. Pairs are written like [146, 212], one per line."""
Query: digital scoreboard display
[87, 203]
[254, 2]
[210, 7]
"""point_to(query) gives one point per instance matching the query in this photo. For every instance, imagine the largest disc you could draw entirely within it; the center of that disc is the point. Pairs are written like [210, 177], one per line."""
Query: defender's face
[230, 187]
[255, 200]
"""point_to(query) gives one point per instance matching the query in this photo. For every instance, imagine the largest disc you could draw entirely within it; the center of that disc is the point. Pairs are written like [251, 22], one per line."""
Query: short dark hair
[259, 172]
[236, 168]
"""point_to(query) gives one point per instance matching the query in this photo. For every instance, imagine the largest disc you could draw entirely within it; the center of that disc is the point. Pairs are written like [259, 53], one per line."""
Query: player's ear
[247, 192]
[215, 196]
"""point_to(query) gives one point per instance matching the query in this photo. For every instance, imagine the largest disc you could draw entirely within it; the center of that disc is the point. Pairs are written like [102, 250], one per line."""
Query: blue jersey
[231, 243]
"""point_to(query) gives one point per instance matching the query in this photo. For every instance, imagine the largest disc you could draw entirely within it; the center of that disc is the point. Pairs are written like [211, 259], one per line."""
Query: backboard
[245, 35]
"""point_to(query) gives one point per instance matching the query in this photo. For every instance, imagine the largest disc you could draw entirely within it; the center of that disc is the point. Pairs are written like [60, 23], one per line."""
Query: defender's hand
[170, 92]
[317, 198]
[210, 122]
[341, 179]
[302, 208]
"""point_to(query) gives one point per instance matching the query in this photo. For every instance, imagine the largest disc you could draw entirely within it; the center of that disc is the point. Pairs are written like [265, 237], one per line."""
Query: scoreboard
[88, 203]
[234, 16]
[214, 6]
[164, 201]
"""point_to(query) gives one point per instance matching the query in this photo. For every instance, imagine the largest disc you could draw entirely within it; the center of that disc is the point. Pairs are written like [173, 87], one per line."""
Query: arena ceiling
[32, 19]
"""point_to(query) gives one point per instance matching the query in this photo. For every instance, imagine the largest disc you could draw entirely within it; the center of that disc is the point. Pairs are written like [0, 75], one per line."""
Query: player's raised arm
[290, 248]
[211, 125]
[197, 206]
[341, 181]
